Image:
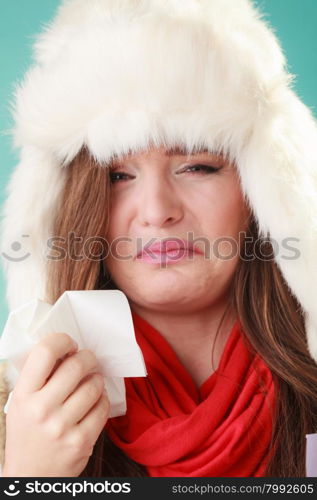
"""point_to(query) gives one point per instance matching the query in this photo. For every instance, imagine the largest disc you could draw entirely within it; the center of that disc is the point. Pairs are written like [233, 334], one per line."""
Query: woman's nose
[159, 203]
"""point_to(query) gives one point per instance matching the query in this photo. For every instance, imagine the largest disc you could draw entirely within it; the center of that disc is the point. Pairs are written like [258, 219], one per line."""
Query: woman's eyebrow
[181, 151]
[216, 157]
[169, 152]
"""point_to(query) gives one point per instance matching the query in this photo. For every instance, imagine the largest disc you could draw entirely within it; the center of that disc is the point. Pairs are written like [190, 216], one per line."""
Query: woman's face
[162, 195]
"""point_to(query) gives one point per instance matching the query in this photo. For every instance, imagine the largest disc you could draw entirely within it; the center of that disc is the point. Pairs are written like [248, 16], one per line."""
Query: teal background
[294, 22]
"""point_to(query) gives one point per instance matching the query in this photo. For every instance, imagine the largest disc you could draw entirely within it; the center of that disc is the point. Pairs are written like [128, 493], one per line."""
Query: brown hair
[270, 316]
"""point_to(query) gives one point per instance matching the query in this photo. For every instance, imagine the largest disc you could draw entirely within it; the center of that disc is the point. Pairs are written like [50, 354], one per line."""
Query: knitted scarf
[173, 428]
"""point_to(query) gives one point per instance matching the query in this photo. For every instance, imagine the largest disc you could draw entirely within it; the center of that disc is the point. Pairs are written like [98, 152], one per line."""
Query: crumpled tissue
[99, 320]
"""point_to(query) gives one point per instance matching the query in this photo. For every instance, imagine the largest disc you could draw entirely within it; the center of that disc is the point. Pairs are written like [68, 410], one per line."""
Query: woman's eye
[205, 169]
[117, 176]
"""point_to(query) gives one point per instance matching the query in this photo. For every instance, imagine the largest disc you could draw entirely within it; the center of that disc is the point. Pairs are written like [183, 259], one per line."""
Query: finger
[68, 375]
[82, 399]
[41, 361]
[95, 420]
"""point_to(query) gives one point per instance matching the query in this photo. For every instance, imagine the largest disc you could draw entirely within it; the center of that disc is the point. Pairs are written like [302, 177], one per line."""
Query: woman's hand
[57, 411]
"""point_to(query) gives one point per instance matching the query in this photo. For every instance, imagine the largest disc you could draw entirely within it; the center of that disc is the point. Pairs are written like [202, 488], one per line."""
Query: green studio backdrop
[294, 22]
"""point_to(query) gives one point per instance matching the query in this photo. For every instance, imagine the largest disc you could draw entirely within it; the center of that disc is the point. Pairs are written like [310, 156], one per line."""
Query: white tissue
[99, 320]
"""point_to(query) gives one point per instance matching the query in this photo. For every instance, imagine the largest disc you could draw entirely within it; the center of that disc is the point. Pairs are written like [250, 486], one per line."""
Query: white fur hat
[115, 74]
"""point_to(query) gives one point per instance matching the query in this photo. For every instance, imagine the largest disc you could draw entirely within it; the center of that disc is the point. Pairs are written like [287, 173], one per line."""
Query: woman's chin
[169, 291]
[175, 285]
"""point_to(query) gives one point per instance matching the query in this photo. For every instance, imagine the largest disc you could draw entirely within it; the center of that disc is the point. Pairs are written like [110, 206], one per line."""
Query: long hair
[271, 319]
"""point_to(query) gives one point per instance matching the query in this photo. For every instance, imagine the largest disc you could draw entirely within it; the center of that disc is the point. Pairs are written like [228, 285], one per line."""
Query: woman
[153, 125]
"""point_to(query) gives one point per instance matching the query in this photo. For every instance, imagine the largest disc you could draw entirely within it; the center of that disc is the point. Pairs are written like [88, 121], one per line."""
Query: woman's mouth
[167, 251]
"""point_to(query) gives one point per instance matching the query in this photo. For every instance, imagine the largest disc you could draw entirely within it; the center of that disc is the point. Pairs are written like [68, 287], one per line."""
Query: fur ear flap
[32, 194]
[279, 175]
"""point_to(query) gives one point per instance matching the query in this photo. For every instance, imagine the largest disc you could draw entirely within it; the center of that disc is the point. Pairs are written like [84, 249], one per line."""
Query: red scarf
[223, 428]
